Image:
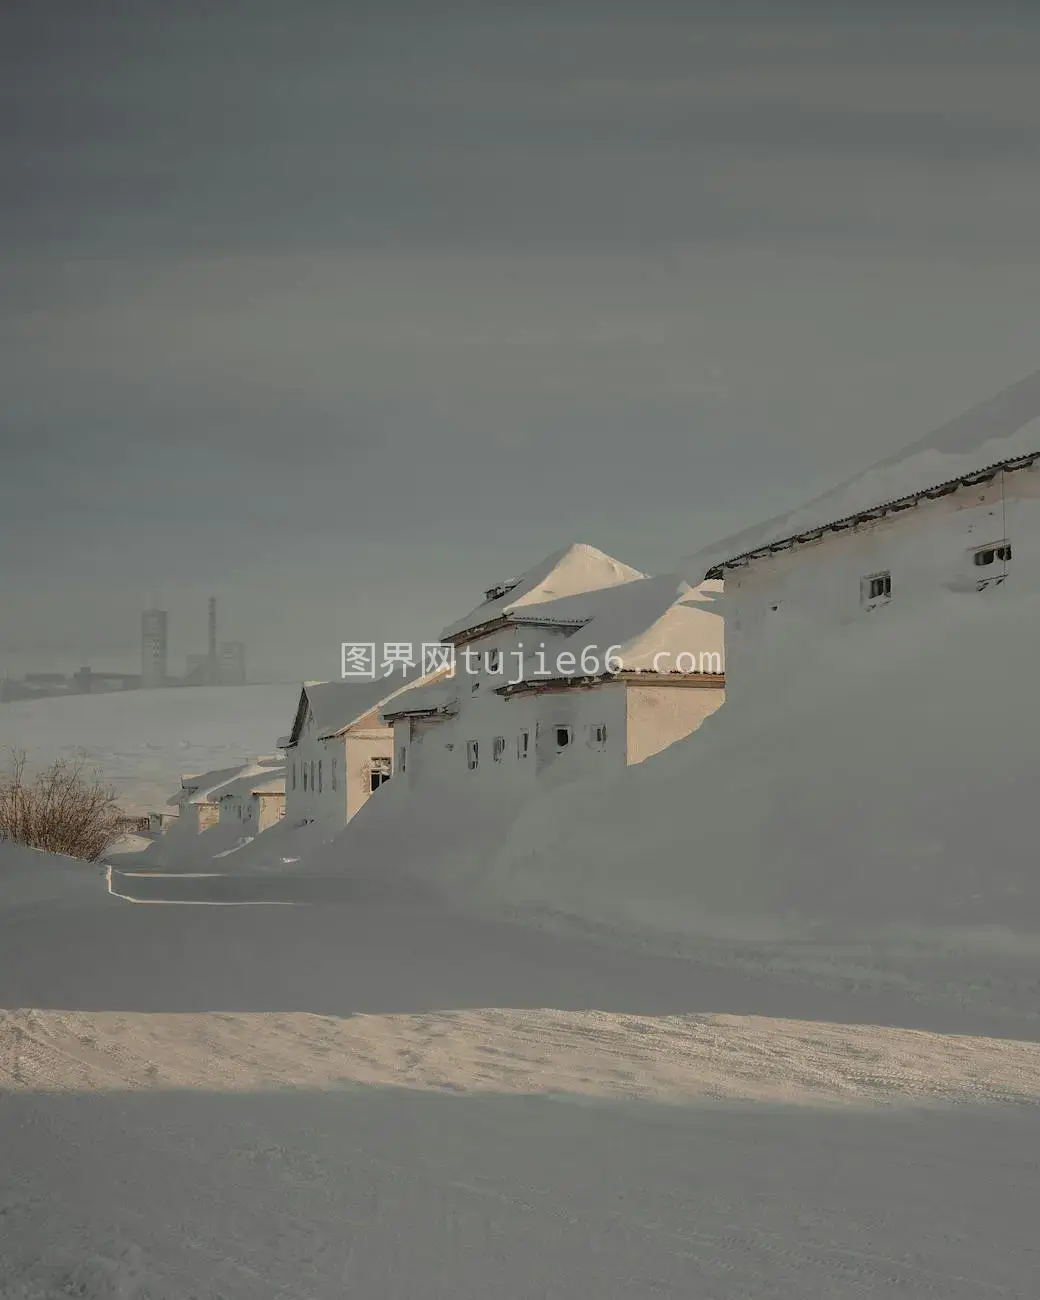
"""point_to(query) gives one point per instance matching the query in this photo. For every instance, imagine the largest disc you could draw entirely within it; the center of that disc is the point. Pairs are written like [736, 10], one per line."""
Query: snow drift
[886, 777]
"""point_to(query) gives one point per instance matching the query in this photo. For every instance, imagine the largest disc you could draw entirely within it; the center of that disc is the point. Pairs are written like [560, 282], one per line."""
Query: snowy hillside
[144, 740]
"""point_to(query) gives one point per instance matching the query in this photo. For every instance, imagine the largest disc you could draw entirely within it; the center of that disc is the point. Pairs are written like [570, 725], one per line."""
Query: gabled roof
[1002, 430]
[635, 623]
[339, 705]
[202, 787]
[436, 697]
[576, 569]
[268, 781]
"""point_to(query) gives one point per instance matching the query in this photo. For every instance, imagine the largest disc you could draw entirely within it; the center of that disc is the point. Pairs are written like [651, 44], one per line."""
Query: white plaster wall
[320, 801]
[658, 716]
[580, 709]
[270, 808]
[362, 747]
[777, 602]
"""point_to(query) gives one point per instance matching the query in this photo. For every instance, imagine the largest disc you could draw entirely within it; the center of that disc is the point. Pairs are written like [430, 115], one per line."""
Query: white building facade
[954, 516]
[340, 751]
[568, 677]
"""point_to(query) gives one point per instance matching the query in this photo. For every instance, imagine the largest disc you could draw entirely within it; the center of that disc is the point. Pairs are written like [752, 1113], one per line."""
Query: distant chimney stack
[213, 638]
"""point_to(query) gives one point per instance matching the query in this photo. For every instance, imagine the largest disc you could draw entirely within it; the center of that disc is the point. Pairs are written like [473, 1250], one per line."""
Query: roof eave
[913, 499]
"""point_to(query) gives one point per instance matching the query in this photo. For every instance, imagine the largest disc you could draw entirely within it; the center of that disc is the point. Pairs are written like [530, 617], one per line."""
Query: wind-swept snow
[882, 780]
[387, 1098]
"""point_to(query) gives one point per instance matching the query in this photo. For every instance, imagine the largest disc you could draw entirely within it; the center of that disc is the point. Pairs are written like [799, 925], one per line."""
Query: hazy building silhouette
[153, 648]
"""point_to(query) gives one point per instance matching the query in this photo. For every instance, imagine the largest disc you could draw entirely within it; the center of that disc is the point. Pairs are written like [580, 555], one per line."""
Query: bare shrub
[63, 809]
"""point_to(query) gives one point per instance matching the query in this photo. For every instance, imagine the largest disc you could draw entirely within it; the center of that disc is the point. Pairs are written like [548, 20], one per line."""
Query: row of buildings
[583, 664]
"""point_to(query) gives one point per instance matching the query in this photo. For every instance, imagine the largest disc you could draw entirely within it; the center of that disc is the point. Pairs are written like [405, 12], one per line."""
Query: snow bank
[30, 877]
[886, 779]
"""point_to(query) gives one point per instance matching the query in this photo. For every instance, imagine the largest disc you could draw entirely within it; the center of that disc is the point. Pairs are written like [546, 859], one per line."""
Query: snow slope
[144, 740]
[387, 1098]
[885, 779]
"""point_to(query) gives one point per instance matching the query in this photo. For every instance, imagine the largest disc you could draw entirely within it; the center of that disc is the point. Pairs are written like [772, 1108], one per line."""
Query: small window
[474, 688]
[332, 774]
[598, 735]
[472, 754]
[305, 776]
[321, 786]
[313, 786]
[376, 779]
[563, 737]
[493, 659]
[294, 774]
[521, 744]
[402, 757]
[876, 589]
[498, 748]
[998, 553]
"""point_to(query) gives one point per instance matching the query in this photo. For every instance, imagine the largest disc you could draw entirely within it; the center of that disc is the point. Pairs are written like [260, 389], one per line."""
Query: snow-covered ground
[382, 1096]
[142, 741]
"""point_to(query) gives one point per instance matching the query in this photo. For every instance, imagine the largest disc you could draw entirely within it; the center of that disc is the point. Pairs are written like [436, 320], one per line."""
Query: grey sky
[345, 311]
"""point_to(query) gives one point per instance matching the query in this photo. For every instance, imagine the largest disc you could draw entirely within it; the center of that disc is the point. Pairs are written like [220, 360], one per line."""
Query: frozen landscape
[386, 1096]
[144, 740]
[661, 921]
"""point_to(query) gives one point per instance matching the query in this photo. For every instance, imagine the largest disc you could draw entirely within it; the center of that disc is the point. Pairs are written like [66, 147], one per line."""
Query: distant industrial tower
[212, 652]
[153, 648]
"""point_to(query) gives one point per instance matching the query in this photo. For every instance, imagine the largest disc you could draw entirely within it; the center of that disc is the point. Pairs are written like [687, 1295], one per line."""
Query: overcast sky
[346, 311]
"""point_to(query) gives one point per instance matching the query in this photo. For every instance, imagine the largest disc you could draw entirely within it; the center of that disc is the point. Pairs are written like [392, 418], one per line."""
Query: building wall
[658, 716]
[777, 603]
[313, 792]
[580, 710]
[269, 808]
[364, 746]
[336, 790]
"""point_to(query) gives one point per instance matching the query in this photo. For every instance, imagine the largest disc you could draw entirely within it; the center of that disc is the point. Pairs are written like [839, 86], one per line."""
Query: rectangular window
[377, 778]
[999, 552]
[498, 748]
[320, 782]
[332, 774]
[472, 754]
[305, 776]
[876, 589]
[493, 660]
[312, 776]
[294, 774]
[598, 735]
[521, 744]
[563, 737]
[402, 755]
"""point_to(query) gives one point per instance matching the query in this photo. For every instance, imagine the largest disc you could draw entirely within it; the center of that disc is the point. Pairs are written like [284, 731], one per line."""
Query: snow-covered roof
[267, 781]
[1001, 429]
[203, 787]
[435, 697]
[576, 569]
[637, 622]
[338, 705]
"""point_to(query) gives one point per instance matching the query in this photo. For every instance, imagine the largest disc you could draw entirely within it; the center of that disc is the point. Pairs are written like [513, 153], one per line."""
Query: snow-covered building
[252, 802]
[956, 512]
[198, 800]
[582, 654]
[340, 751]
